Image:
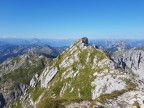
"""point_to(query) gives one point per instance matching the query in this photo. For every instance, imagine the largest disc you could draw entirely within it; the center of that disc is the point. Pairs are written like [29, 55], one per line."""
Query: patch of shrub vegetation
[36, 92]
[137, 105]
[51, 103]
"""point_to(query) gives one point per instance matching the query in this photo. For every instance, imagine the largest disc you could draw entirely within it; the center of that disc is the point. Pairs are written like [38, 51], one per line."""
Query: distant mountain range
[12, 47]
[15, 47]
[67, 42]
[117, 45]
[51, 42]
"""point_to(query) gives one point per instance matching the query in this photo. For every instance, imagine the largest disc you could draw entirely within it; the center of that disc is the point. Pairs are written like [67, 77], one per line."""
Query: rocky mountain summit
[82, 76]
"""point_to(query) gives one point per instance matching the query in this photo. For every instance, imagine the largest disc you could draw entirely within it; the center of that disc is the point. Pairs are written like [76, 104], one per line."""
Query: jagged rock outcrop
[134, 60]
[2, 101]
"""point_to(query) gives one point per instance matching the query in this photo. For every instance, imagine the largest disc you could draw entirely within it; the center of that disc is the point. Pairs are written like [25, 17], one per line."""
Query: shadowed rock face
[85, 40]
[122, 63]
[2, 101]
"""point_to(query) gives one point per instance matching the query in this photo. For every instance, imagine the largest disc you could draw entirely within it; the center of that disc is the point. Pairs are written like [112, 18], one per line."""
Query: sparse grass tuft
[36, 92]
[16, 104]
[130, 86]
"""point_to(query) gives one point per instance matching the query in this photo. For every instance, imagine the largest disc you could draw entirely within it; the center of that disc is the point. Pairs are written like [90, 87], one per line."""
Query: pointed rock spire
[84, 40]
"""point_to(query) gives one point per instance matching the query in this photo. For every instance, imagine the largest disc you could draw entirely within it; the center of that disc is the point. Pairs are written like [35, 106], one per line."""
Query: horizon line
[72, 38]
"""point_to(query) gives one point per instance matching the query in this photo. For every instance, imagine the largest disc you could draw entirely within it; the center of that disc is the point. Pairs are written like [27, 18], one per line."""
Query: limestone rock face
[134, 60]
[15, 76]
[34, 80]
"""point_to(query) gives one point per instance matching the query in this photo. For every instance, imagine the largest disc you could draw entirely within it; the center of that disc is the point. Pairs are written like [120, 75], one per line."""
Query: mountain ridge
[83, 75]
[82, 64]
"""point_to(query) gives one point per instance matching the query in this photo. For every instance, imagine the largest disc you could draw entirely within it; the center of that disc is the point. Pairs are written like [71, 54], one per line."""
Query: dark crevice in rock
[139, 59]
[122, 63]
[2, 101]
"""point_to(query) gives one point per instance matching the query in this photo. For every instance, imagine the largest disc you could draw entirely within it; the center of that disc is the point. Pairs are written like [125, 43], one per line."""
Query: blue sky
[72, 18]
